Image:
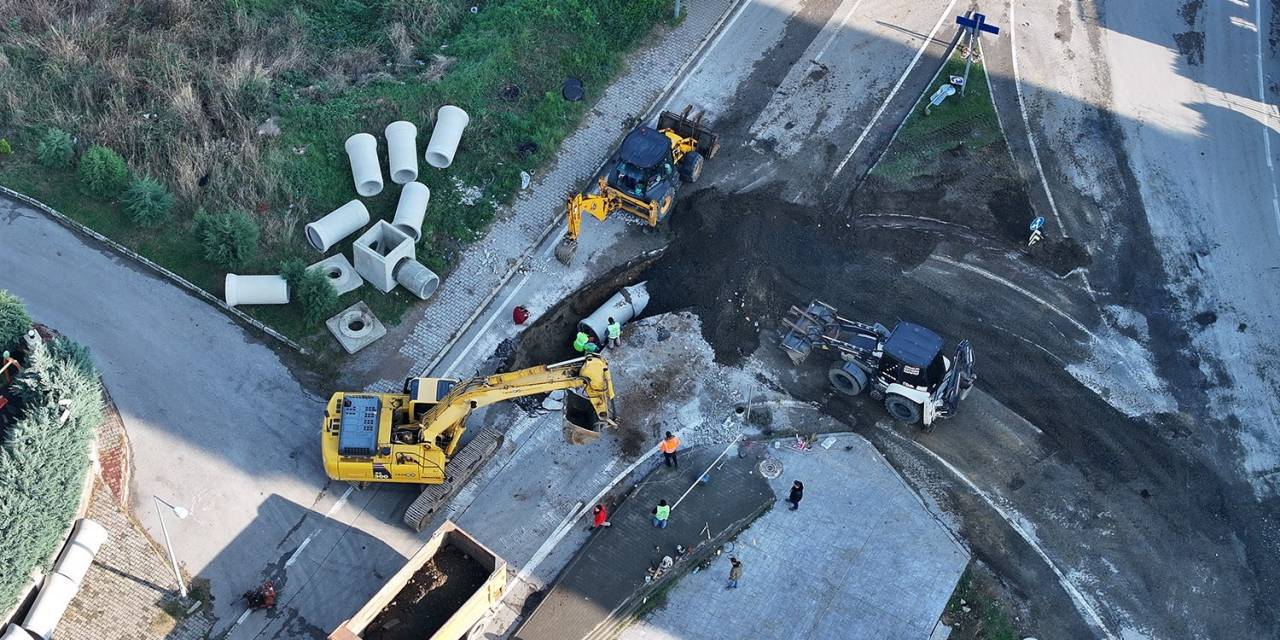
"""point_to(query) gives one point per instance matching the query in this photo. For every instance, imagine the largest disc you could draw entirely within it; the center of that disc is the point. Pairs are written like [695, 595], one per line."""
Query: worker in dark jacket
[797, 492]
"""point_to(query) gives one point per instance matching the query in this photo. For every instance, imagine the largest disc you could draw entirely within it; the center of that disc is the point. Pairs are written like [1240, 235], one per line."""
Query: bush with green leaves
[43, 461]
[229, 240]
[311, 291]
[147, 201]
[103, 172]
[14, 321]
[56, 149]
[5, 147]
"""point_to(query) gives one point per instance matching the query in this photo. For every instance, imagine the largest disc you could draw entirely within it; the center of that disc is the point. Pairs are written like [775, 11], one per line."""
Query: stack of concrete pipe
[61, 584]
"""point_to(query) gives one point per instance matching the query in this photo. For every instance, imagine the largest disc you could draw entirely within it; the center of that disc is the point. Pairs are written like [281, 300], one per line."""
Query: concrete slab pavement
[862, 558]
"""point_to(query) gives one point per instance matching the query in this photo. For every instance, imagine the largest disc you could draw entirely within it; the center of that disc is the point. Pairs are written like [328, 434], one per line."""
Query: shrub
[42, 463]
[73, 353]
[5, 147]
[14, 321]
[311, 291]
[229, 240]
[56, 148]
[103, 172]
[147, 201]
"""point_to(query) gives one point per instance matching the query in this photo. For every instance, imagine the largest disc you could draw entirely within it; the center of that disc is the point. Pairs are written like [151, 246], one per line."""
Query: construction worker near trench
[661, 514]
[668, 447]
[615, 333]
[582, 343]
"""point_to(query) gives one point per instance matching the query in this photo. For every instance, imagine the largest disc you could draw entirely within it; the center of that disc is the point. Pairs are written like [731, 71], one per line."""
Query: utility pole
[182, 514]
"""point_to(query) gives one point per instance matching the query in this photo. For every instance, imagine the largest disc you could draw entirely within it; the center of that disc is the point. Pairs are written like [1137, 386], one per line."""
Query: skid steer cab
[906, 368]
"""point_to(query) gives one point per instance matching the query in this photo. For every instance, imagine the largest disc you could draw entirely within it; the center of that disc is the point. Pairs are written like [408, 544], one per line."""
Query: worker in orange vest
[668, 447]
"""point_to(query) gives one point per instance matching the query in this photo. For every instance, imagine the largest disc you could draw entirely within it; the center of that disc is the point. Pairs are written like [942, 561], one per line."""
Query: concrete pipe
[362, 150]
[255, 289]
[338, 224]
[51, 602]
[622, 307]
[411, 209]
[420, 280]
[402, 151]
[81, 547]
[450, 121]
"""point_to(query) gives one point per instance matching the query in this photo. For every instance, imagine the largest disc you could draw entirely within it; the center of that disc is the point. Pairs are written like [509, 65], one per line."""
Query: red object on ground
[519, 314]
[602, 516]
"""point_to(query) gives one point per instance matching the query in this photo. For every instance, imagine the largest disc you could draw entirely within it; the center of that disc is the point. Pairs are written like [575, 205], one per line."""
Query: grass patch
[976, 612]
[925, 142]
[183, 90]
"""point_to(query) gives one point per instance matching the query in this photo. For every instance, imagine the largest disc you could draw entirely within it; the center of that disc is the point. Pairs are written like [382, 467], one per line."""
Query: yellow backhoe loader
[414, 437]
[644, 173]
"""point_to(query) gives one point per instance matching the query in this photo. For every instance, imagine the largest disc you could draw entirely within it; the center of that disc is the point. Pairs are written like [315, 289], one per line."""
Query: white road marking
[297, 552]
[835, 32]
[1026, 121]
[702, 57]
[341, 501]
[1262, 98]
[995, 278]
[488, 323]
[547, 545]
[1082, 605]
[903, 78]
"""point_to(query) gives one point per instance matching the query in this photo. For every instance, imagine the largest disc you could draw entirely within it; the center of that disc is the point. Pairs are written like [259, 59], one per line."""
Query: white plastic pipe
[622, 307]
[255, 289]
[14, 632]
[51, 602]
[81, 547]
[411, 209]
[362, 150]
[450, 121]
[402, 151]
[415, 277]
[338, 224]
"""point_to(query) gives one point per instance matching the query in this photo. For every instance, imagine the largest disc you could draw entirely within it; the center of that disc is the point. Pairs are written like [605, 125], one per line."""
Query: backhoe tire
[664, 208]
[902, 409]
[849, 382]
[691, 167]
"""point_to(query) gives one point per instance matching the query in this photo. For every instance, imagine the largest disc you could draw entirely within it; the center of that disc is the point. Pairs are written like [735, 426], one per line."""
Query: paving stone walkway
[487, 263]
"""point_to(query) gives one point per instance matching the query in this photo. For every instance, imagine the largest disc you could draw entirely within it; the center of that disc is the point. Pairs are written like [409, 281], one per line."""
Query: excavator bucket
[565, 250]
[688, 125]
[582, 425]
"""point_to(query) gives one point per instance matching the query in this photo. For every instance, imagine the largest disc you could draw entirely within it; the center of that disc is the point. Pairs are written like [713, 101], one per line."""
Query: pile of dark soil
[434, 593]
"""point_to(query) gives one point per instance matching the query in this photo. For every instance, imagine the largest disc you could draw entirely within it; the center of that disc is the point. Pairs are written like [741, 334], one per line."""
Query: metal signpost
[976, 24]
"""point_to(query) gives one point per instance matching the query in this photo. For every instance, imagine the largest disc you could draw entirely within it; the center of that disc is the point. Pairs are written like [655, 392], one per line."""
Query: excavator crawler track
[464, 464]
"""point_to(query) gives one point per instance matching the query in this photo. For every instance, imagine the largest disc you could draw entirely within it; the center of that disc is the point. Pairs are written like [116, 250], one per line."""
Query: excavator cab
[644, 164]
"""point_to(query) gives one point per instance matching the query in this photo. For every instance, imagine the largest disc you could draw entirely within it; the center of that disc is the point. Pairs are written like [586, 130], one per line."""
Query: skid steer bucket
[581, 423]
[691, 126]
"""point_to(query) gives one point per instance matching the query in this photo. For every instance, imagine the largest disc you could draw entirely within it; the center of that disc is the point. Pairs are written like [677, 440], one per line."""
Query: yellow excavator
[644, 173]
[415, 436]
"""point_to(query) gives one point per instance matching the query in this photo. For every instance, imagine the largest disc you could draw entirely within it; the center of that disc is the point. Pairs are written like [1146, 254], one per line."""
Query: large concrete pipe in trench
[450, 121]
[255, 289]
[411, 209]
[338, 224]
[362, 150]
[622, 307]
[402, 151]
[420, 280]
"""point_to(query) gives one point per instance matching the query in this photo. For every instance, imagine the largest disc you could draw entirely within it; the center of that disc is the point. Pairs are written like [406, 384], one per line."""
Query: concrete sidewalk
[861, 558]
[607, 578]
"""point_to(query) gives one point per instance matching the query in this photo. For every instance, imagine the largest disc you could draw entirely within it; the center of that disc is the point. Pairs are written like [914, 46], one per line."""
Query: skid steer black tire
[849, 383]
[691, 167]
[902, 409]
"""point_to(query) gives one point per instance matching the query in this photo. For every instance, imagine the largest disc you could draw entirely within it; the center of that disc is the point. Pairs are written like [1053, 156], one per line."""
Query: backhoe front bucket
[581, 423]
[565, 250]
[687, 126]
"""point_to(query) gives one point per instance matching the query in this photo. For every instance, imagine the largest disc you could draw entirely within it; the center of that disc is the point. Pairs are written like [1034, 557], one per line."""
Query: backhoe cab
[904, 367]
[643, 175]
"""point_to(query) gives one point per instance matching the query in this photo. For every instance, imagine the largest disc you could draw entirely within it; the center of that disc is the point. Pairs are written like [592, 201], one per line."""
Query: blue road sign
[1037, 223]
[978, 23]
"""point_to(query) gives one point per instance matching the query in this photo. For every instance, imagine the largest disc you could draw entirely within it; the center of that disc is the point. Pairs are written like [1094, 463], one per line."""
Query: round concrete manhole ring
[770, 468]
[355, 325]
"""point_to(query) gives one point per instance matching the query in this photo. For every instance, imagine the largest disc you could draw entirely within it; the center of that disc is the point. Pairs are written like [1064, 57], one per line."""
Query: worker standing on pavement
[735, 573]
[615, 333]
[797, 493]
[660, 514]
[601, 518]
[669, 446]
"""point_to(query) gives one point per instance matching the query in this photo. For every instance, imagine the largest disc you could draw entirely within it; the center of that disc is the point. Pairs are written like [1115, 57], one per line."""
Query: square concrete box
[356, 327]
[342, 276]
[378, 251]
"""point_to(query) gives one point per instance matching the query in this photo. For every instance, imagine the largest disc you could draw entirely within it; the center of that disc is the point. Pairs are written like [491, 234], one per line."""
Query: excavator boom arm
[590, 374]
